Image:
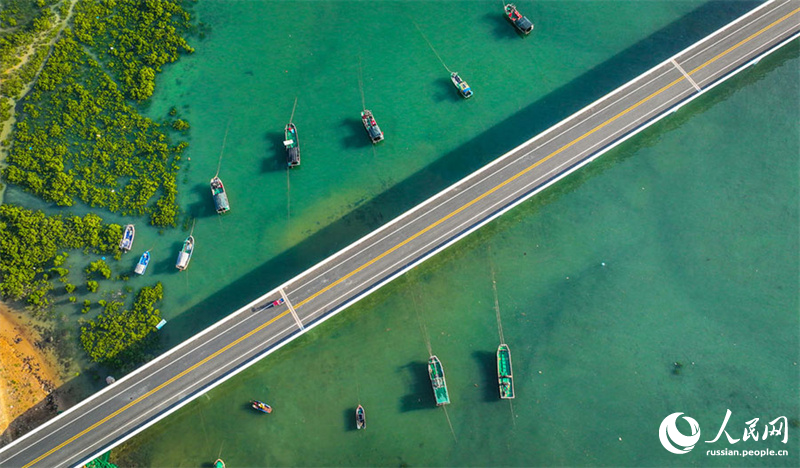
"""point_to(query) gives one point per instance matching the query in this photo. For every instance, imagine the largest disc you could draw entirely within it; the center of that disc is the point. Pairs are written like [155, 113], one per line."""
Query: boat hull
[371, 126]
[185, 254]
[128, 235]
[141, 267]
[220, 197]
[261, 406]
[438, 382]
[292, 144]
[463, 88]
[505, 374]
[523, 24]
[361, 418]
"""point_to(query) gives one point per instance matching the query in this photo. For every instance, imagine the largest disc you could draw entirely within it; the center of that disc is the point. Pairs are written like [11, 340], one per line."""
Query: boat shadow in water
[487, 363]
[204, 206]
[420, 393]
[474, 154]
[446, 91]
[166, 265]
[276, 153]
[349, 418]
[355, 135]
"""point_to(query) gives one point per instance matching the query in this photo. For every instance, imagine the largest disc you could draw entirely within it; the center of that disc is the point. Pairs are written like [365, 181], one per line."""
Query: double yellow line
[401, 244]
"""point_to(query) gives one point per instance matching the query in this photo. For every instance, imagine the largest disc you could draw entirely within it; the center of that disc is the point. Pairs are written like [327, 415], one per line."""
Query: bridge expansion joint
[686, 75]
[291, 309]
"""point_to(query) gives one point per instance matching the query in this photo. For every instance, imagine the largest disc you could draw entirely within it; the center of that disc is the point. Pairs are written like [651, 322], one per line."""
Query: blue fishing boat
[142, 265]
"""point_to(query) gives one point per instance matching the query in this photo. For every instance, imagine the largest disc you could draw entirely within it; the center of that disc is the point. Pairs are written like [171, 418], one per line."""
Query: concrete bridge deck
[162, 386]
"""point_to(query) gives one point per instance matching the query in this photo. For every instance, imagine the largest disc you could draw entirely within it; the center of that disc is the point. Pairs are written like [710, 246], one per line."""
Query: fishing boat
[463, 88]
[361, 418]
[142, 265]
[374, 132]
[219, 463]
[505, 377]
[436, 372]
[522, 23]
[127, 238]
[292, 145]
[186, 253]
[220, 198]
[261, 406]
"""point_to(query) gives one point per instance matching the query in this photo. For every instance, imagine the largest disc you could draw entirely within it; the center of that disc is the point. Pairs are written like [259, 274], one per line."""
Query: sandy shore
[28, 377]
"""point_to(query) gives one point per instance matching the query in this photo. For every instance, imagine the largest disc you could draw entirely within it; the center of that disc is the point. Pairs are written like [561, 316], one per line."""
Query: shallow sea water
[680, 246]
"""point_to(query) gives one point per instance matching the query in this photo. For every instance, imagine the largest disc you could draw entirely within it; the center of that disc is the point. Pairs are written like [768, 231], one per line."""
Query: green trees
[77, 136]
[30, 243]
[122, 338]
[99, 266]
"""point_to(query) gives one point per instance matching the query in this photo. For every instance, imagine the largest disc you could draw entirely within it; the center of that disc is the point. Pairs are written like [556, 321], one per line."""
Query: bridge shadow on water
[464, 160]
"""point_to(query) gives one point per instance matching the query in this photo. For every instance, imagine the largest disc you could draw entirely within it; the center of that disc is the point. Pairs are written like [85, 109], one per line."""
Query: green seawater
[661, 278]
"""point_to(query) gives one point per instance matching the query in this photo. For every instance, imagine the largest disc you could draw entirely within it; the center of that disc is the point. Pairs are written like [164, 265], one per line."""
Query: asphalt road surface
[162, 386]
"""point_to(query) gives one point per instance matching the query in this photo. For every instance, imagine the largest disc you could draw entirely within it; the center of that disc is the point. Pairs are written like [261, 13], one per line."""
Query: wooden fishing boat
[463, 88]
[436, 373]
[185, 254]
[220, 198]
[127, 238]
[261, 406]
[144, 260]
[505, 377]
[371, 126]
[361, 418]
[522, 23]
[219, 463]
[292, 145]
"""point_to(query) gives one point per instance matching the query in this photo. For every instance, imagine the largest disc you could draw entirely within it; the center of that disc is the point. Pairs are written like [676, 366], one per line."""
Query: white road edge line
[366, 293]
[566, 120]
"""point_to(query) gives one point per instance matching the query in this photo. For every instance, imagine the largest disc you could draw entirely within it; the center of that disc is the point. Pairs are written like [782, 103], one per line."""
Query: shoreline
[29, 377]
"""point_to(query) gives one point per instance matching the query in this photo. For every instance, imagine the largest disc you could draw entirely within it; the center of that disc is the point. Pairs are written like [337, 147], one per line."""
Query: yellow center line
[748, 38]
[173, 379]
[531, 167]
[401, 244]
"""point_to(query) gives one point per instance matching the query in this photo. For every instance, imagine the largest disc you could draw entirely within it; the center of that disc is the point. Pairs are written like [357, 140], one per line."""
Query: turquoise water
[696, 222]
[680, 246]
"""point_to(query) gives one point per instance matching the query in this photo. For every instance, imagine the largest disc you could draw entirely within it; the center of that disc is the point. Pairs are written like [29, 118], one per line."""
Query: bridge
[216, 354]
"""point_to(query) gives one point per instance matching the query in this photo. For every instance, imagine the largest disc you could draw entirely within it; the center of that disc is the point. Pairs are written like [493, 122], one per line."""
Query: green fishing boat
[436, 372]
[219, 463]
[505, 377]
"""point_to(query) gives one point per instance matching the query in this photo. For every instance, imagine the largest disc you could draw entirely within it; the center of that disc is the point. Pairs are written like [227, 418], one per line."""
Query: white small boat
[186, 254]
[463, 88]
[127, 238]
[144, 260]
